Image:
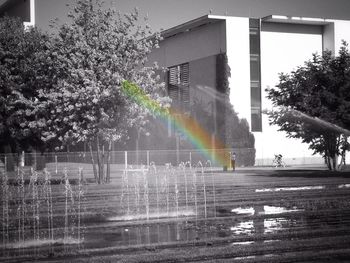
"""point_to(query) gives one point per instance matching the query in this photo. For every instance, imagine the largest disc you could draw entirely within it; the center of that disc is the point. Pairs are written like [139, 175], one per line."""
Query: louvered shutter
[178, 86]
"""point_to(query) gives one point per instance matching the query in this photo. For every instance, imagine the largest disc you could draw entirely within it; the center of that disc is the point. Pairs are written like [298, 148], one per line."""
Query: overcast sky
[164, 14]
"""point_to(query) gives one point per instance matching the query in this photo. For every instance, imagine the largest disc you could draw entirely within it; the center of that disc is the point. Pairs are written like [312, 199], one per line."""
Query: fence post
[35, 160]
[21, 164]
[177, 149]
[5, 163]
[190, 159]
[56, 163]
[126, 159]
[147, 159]
[213, 147]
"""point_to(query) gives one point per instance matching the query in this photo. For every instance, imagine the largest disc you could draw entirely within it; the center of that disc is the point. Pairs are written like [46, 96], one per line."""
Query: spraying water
[146, 192]
[5, 209]
[21, 210]
[33, 185]
[210, 168]
[183, 168]
[200, 165]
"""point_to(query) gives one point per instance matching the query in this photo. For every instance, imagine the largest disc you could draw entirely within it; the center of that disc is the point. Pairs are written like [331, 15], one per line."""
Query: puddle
[243, 228]
[263, 226]
[244, 211]
[141, 235]
[254, 257]
[273, 225]
[242, 243]
[242, 258]
[271, 241]
[344, 186]
[267, 210]
[183, 213]
[40, 243]
[275, 210]
[301, 188]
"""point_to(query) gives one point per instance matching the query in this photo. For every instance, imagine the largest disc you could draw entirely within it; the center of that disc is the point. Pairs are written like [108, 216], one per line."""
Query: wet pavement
[242, 217]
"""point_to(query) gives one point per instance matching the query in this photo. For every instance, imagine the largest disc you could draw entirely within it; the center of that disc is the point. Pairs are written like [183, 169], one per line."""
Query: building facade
[257, 50]
[25, 9]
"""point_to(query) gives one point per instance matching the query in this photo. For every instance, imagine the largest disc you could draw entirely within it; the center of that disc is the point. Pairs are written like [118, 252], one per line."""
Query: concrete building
[25, 9]
[257, 51]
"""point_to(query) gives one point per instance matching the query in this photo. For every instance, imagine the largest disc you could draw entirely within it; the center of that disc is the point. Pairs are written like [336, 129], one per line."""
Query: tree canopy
[66, 88]
[21, 54]
[313, 103]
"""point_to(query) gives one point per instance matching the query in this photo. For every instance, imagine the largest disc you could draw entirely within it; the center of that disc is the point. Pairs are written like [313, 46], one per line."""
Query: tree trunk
[331, 151]
[327, 161]
[332, 163]
[103, 177]
[93, 163]
[108, 175]
[99, 160]
[335, 162]
[343, 152]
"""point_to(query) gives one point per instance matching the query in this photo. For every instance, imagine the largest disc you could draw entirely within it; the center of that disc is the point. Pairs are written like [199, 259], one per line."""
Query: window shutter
[184, 73]
[178, 86]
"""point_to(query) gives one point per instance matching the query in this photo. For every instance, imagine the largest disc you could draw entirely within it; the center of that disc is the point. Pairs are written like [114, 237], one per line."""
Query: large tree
[21, 56]
[91, 57]
[313, 103]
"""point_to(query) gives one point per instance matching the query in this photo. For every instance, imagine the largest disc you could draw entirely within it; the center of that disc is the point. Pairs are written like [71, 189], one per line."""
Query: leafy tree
[91, 58]
[313, 103]
[21, 53]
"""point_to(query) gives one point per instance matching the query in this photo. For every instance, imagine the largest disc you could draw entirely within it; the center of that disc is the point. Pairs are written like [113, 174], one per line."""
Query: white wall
[238, 54]
[282, 52]
[341, 32]
[198, 43]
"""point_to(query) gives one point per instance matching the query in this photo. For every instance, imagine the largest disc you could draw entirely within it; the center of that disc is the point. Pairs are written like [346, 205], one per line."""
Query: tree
[91, 58]
[313, 103]
[21, 56]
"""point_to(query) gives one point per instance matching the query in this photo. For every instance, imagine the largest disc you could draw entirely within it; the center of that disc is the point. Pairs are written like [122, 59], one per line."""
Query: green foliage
[21, 56]
[87, 63]
[92, 57]
[231, 130]
[142, 99]
[319, 89]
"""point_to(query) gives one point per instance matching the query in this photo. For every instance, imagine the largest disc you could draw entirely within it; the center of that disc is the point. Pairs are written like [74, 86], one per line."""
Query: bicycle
[278, 161]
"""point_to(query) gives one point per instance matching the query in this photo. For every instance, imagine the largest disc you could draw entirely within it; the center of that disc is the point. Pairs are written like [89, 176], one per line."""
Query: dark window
[254, 41]
[256, 119]
[254, 68]
[255, 75]
[178, 86]
[255, 93]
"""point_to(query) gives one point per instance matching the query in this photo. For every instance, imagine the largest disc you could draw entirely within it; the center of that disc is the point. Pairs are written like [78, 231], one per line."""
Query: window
[254, 41]
[178, 86]
[254, 68]
[255, 94]
[256, 119]
[255, 76]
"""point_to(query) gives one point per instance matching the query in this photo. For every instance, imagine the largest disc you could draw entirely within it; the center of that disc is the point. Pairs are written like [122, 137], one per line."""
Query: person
[233, 160]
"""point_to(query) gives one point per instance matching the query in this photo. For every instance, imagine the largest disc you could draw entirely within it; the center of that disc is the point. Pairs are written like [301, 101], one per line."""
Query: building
[257, 50]
[25, 9]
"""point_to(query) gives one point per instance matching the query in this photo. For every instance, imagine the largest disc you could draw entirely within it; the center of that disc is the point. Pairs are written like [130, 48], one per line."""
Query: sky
[164, 14]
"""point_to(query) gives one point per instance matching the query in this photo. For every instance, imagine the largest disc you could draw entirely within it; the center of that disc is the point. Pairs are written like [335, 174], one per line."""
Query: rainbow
[201, 139]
